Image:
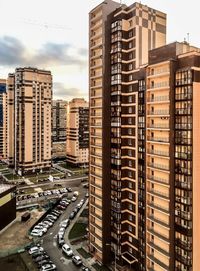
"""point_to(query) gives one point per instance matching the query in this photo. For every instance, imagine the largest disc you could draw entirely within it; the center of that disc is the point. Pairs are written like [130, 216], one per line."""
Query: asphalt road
[69, 181]
[50, 242]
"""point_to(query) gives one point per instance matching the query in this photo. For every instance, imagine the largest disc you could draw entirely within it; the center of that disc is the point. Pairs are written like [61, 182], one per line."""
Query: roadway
[50, 239]
[69, 181]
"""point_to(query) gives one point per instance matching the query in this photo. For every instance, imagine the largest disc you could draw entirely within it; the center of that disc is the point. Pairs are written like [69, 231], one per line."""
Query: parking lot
[50, 240]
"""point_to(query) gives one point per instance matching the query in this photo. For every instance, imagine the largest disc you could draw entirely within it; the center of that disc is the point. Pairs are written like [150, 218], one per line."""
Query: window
[130, 133]
[130, 45]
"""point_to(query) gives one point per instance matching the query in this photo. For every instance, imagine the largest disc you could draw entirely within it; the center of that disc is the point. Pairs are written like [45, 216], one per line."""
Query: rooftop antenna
[188, 37]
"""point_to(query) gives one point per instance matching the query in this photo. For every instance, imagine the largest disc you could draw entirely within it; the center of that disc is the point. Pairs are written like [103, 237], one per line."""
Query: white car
[73, 199]
[40, 228]
[76, 193]
[48, 267]
[67, 250]
[76, 260]
[37, 233]
[35, 249]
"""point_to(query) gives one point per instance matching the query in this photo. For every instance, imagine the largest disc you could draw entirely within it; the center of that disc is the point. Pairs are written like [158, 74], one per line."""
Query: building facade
[7, 205]
[144, 125]
[59, 115]
[2, 118]
[120, 38]
[29, 97]
[78, 132]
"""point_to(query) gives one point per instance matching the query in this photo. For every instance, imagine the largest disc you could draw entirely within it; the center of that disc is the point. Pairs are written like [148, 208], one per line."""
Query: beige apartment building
[2, 119]
[59, 115]
[78, 132]
[144, 155]
[119, 40]
[29, 97]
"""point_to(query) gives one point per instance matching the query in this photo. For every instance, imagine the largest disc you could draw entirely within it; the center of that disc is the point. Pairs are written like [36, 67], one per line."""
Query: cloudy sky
[54, 35]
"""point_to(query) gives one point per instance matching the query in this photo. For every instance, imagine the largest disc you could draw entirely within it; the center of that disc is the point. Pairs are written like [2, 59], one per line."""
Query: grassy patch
[78, 230]
[11, 176]
[84, 253]
[98, 267]
[3, 166]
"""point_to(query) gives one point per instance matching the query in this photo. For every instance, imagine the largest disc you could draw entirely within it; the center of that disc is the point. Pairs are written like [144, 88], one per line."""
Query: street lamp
[115, 255]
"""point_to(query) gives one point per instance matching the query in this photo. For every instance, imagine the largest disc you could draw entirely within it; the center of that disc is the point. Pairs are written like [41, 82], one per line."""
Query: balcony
[159, 112]
[158, 207]
[158, 262]
[159, 194]
[95, 174]
[160, 126]
[158, 99]
[158, 139]
[183, 245]
[158, 166]
[96, 204]
[184, 200]
[157, 179]
[161, 72]
[183, 214]
[95, 184]
[184, 185]
[158, 221]
[158, 86]
[158, 248]
[185, 260]
[96, 154]
[159, 153]
[159, 235]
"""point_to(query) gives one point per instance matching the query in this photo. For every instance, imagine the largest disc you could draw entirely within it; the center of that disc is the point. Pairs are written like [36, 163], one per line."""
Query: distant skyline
[54, 35]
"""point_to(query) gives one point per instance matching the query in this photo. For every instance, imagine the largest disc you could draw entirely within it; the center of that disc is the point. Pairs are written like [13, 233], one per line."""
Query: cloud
[61, 91]
[14, 53]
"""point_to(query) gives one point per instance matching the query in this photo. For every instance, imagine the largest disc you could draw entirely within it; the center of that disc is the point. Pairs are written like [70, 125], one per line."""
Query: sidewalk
[89, 261]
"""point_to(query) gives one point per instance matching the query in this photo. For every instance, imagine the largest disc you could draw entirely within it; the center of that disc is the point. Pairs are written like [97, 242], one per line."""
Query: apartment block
[78, 132]
[2, 118]
[172, 156]
[59, 115]
[7, 205]
[120, 38]
[144, 155]
[29, 97]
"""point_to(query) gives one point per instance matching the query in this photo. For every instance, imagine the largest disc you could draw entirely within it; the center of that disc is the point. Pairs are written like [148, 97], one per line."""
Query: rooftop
[5, 187]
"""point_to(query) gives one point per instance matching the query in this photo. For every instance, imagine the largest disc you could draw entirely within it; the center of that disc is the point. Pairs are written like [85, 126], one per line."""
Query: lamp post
[115, 256]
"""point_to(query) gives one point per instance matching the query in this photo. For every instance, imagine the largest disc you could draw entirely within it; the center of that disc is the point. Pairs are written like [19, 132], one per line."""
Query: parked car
[42, 257]
[84, 268]
[37, 233]
[60, 241]
[76, 260]
[61, 207]
[35, 249]
[73, 199]
[69, 189]
[48, 267]
[72, 215]
[67, 250]
[65, 223]
[43, 262]
[76, 193]
[38, 254]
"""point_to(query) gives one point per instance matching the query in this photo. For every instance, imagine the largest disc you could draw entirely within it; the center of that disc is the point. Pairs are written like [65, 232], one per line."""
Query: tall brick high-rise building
[120, 38]
[29, 97]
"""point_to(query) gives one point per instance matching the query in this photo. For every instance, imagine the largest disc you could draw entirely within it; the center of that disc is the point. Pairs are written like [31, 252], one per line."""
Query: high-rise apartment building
[29, 97]
[172, 157]
[144, 154]
[120, 38]
[78, 132]
[59, 114]
[2, 118]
